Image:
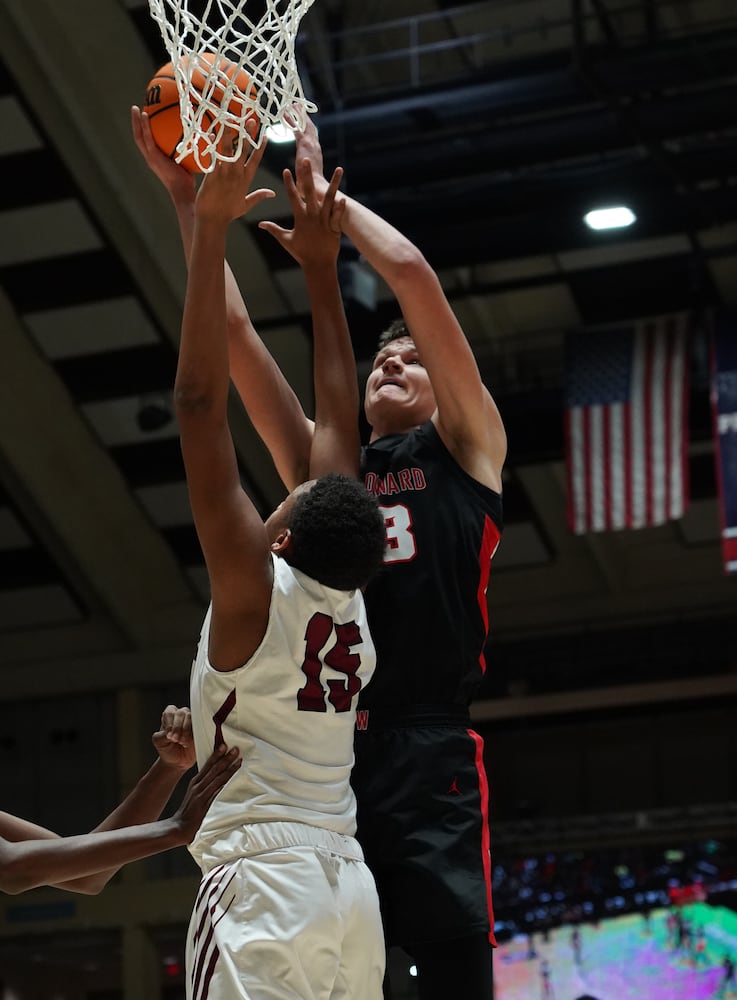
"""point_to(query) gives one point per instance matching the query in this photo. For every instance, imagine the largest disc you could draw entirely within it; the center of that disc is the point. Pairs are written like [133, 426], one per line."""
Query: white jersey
[291, 709]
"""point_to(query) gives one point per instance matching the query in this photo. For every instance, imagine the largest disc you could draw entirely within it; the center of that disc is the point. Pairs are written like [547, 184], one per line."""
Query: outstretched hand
[202, 789]
[315, 238]
[177, 180]
[223, 195]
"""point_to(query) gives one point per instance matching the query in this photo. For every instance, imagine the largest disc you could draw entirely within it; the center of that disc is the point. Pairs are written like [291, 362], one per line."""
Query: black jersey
[427, 606]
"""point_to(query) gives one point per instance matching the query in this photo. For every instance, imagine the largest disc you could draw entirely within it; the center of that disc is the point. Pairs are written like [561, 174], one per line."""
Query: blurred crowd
[537, 894]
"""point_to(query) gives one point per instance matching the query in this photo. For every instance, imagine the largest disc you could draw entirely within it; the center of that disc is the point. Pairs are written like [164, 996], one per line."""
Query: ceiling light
[615, 217]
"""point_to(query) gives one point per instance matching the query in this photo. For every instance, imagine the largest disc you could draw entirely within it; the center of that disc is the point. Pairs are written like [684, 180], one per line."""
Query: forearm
[247, 352]
[387, 250]
[74, 862]
[238, 319]
[185, 217]
[203, 371]
[336, 443]
[466, 414]
[424, 306]
[142, 805]
[147, 800]
[270, 402]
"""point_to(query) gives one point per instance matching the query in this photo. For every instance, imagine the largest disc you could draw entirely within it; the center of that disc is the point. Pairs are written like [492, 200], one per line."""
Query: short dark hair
[395, 331]
[338, 533]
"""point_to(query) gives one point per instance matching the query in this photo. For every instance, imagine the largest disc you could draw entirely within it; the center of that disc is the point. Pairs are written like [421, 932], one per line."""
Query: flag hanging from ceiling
[626, 425]
[724, 406]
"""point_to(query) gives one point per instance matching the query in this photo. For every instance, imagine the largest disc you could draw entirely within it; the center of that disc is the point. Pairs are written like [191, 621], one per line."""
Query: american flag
[626, 426]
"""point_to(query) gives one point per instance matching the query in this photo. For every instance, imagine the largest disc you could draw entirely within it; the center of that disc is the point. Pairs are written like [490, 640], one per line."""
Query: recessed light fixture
[614, 217]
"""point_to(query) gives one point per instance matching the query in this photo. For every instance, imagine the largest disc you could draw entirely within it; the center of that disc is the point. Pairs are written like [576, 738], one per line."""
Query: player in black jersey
[434, 460]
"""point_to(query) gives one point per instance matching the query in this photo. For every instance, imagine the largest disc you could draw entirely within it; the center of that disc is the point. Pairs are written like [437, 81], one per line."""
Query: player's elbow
[92, 885]
[11, 887]
[238, 323]
[409, 266]
[15, 876]
[192, 397]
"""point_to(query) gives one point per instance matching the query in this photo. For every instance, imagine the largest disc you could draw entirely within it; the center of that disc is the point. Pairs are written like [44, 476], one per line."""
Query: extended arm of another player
[467, 416]
[31, 856]
[144, 804]
[174, 745]
[314, 242]
[270, 401]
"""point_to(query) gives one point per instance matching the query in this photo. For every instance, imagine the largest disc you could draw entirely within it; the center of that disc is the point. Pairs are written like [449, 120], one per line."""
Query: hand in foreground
[177, 180]
[219, 768]
[174, 742]
[224, 193]
[315, 238]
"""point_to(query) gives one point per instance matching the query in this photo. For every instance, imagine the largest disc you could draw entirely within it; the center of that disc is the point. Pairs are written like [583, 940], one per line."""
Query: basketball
[161, 104]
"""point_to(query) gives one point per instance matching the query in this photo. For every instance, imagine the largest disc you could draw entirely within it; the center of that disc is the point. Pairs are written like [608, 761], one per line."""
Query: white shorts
[295, 916]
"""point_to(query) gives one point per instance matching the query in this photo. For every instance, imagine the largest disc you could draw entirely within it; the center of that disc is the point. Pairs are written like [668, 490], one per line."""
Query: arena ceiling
[483, 131]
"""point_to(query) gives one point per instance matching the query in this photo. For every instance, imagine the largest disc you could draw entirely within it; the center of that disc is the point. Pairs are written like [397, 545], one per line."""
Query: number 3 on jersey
[400, 539]
[311, 698]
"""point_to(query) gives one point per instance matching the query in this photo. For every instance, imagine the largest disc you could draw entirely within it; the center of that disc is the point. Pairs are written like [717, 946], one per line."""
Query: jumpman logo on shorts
[454, 789]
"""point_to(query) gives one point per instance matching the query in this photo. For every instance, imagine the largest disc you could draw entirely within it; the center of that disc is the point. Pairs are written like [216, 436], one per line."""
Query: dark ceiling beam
[574, 142]
[676, 63]
[489, 94]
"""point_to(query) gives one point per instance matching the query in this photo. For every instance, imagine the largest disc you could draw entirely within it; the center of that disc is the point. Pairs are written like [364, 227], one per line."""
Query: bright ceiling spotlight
[614, 217]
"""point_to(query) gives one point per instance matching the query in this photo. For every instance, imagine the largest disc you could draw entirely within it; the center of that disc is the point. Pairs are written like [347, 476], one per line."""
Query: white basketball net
[264, 50]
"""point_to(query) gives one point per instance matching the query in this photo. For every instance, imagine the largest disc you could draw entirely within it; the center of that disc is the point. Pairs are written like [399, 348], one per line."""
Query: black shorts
[422, 799]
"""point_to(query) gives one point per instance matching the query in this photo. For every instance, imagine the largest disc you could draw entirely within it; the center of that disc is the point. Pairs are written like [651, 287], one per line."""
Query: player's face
[399, 395]
[278, 521]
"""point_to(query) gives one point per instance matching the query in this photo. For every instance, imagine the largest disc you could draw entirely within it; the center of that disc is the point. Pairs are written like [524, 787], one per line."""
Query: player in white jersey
[286, 709]
[287, 908]
[290, 811]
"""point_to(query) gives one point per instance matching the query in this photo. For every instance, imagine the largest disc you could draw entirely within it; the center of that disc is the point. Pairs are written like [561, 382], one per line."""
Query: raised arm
[466, 416]
[232, 535]
[270, 402]
[314, 242]
[31, 856]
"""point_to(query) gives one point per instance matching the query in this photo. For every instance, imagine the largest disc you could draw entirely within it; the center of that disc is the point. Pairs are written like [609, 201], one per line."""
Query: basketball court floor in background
[620, 960]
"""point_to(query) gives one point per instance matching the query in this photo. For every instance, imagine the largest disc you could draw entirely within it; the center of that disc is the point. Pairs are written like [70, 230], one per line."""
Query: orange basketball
[161, 104]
